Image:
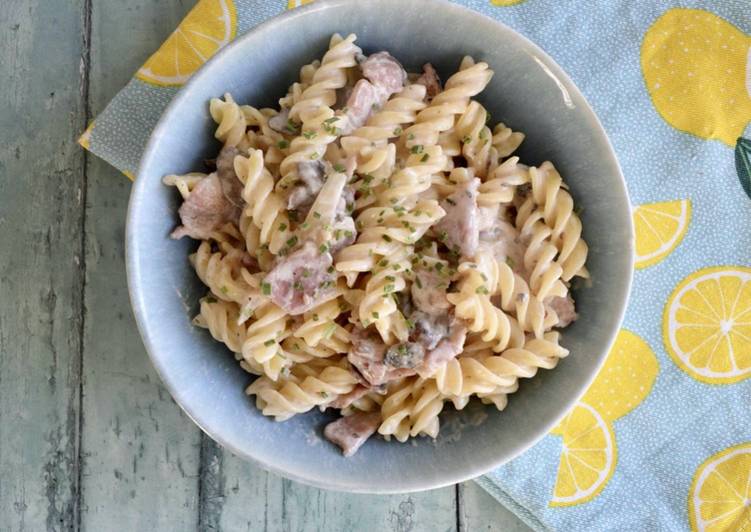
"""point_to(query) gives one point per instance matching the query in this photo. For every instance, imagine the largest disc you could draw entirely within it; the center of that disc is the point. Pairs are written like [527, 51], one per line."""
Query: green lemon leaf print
[743, 164]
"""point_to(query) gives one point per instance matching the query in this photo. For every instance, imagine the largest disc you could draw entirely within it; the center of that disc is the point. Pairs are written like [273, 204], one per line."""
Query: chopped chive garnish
[266, 288]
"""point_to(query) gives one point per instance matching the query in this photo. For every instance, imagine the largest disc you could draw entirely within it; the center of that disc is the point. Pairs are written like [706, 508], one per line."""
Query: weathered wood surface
[89, 438]
[42, 189]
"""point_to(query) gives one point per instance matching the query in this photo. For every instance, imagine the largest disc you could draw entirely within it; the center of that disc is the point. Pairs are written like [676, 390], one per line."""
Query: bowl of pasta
[379, 246]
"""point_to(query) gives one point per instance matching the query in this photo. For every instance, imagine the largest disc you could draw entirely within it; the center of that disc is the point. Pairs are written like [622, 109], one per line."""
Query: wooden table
[89, 438]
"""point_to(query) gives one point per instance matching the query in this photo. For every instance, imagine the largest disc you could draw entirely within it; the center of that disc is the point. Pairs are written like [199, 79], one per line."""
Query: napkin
[662, 439]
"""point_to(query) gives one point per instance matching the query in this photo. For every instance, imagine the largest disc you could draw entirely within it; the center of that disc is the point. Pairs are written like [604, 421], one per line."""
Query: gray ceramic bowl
[529, 92]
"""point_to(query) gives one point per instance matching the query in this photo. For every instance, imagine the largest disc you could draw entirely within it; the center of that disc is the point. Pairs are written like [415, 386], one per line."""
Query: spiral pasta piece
[305, 388]
[557, 205]
[327, 78]
[539, 257]
[472, 303]
[498, 374]
[382, 232]
[439, 116]
[230, 119]
[319, 324]
[265, 207]
[226, 276]
[266, 329]
[475, 137]
[369, 144]
[295, 91]
[411, 408]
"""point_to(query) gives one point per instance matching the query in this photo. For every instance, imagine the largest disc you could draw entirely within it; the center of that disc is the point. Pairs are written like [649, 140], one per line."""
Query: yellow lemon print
[588, 456]
[85, 139]
[505, 3]
[292, 4]
[660, 227]
[209, 26]
[129, 175]
[625, 379]
[720, 495]
[695, 68]
[707, 324]
[589, 452]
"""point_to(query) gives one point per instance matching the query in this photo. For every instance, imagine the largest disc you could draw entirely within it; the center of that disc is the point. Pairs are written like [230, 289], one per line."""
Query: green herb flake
[224, 290]
[282, 227]
[375, 315]
[417, 148]
[482, 290]
[397, 131]
[306, 272]
[291, 241]
[338, 167]
[466, 139]
[390, 278]
[323, 248]
[267, 343]
[298, 286]
[425, 158]
[387, 238]
[314, 155]
[411, 136]
[282, 144]
[266, 289]
[309, 134]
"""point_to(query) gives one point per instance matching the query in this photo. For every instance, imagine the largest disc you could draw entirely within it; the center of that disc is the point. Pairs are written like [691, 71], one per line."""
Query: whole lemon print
[209, 26]
[589, 451]
[695, 69]
[707, 324]
[720, 496]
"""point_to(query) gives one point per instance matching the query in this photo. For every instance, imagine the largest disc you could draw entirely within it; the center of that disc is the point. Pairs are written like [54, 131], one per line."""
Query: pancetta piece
[430, 79]
[564, 309]
[459, 230]
[301, 280]
[350, 432]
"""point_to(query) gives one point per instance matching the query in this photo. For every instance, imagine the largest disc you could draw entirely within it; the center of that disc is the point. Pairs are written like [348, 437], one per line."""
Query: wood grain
[242, 497]
[41, 283]
[141, 453]
[89, 438]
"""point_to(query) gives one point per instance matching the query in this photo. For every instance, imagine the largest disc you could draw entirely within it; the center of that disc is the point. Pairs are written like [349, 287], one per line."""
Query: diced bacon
[363, 99]
[367, 355]
[302, 280]
[384, 71]
[225, 169]
[205, 210]
[350, 432]
[343, 401]
[430, 79]
[564, 308]
[459, 229]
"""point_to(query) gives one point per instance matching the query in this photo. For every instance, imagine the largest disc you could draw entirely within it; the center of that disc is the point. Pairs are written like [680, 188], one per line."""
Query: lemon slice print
[588, 456]
[625, 379]
[720, 496]
[505, 3]
[292, 4]
[707, 324]
[85, 139]
[209, 26]
[660, 227]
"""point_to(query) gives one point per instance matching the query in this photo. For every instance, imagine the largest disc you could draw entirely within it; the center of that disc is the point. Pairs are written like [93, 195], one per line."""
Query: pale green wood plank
[239, 496]
[479, 511]
[41, 181]
[141, 453]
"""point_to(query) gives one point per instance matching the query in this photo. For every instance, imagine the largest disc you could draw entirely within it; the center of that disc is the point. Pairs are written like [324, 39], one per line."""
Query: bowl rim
[564, 83]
